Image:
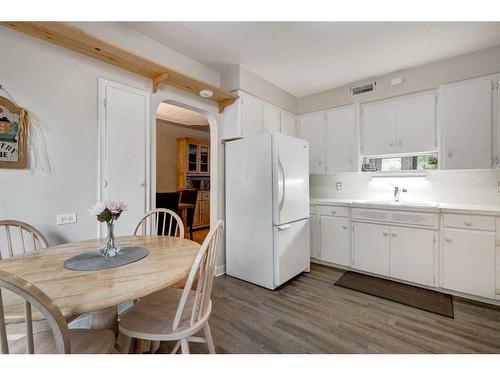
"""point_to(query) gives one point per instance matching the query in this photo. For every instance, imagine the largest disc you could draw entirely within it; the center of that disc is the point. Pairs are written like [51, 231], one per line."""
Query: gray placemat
[93, 260]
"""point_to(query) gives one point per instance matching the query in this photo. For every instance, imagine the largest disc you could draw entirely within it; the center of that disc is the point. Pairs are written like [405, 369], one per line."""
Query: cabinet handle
[394, 234]
[385, 234]
[391, 144]
[400, 143]
[334, 212]
[344, 226]
[447, 239]
[468, 223]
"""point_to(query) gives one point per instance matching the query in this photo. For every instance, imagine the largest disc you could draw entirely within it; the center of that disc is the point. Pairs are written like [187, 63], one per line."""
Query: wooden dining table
[76, 292]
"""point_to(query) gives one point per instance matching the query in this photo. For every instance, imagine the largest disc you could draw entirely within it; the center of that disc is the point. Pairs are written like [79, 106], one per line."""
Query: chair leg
[184, 346]
[125, 344]
[208, 337]
[154, 345]
[191, 233]
[176, 347]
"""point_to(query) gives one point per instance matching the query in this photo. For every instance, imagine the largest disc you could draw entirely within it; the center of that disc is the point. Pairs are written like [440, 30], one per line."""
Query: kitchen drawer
[334, 211]
[396, 217]
[204, 195]
[469, 221]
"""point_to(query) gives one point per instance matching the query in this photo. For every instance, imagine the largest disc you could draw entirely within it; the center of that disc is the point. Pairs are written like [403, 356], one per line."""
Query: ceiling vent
[363, 89]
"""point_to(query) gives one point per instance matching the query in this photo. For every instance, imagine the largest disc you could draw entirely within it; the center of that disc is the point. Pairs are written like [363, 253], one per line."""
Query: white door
[379, 128]
[466, 124]
[314, 229]
[288, 124]
[412, 255]
[335, 240]
[291, 250]
[469, 261]
[341, 145]
[271, 119]
[371, 248]
[416, 123]
[291, 179]
[251, 115]
[124, 162]
[311, 128]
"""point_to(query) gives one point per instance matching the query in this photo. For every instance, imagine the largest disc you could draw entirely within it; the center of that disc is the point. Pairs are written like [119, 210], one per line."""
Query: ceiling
[308, 57]
[179, 115]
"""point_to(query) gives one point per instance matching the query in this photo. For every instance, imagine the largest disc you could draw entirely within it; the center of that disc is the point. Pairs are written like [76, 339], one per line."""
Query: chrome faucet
[397, 191]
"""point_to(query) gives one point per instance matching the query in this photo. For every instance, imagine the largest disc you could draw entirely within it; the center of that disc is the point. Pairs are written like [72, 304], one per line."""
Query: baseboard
[220, 270]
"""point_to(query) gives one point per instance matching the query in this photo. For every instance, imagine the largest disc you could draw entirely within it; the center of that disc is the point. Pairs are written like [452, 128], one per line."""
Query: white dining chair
[160, 222]
[58, 339]
[178, 314]
[19, 238]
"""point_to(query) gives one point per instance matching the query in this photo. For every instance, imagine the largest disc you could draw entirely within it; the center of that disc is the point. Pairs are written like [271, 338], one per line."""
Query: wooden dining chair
[19, 238]
[178, 314]
[156, 221]
[59, 339]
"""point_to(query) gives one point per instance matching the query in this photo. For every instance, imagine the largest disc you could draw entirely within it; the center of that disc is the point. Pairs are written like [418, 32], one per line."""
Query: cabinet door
[314, 228]
[341, 145]
[416, 123]
[469, 261]
[204, 158]
[205, 212]
[379, 128]
[251, 115]
[192, 160]
[288, 124]
[371, 248]
[311, 128]
[271, 119]
[412, 255]
[335, 240]
[466, 124]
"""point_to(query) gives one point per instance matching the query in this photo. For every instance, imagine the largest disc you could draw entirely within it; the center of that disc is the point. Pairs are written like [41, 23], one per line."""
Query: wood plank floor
[311, 315]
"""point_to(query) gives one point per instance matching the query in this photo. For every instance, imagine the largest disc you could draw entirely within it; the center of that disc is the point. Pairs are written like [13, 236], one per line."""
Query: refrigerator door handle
[282, 200]
[284, 226]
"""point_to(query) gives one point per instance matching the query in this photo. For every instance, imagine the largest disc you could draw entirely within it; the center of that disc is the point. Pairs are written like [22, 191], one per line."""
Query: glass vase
[110, 247]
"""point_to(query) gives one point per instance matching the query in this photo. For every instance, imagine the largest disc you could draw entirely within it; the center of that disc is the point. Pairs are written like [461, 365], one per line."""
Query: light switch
[66, 219]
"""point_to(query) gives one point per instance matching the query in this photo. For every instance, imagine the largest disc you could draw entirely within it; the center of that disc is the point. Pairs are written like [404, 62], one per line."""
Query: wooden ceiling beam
[71, 37]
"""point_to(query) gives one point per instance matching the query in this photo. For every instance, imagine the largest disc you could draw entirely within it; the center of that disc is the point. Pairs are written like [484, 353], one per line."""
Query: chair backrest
[203, 270]
[168, 200]
[19, 235]
[33, 296]
[161, 222]
[189, 196]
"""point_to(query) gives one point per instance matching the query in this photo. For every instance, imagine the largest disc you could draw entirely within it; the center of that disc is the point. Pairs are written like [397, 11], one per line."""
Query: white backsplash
[452, 186]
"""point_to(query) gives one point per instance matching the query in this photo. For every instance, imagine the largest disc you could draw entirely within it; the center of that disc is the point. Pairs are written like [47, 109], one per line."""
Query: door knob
[142, 183]
[344, 226]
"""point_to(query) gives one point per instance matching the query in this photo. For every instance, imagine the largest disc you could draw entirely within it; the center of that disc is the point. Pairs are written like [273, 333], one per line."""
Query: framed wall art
[13, 135]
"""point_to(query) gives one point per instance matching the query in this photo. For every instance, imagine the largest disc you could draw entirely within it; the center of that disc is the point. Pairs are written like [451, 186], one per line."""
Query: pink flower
[114, 206]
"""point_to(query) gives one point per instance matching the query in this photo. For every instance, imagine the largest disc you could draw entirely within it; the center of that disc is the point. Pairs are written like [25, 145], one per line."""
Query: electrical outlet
[338, 185]
[66, 219]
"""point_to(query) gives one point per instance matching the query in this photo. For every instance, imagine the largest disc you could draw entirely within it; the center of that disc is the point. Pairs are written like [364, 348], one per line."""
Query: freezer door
[290, 179]
[291, 250]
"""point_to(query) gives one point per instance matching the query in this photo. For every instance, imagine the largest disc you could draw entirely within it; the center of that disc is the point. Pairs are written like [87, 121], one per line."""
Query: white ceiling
[308, 57]
[179, 115]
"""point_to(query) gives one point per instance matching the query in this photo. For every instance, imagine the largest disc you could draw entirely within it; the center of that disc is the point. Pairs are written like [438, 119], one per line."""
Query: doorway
[183, 167]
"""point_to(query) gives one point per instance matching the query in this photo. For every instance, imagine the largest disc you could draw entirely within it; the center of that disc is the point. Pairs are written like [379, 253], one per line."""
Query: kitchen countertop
[435, 207]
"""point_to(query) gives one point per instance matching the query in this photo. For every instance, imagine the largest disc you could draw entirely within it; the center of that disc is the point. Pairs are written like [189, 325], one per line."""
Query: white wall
[482, 62]
[60, 87]
[166, 153]
[454, 186]
[236, 77]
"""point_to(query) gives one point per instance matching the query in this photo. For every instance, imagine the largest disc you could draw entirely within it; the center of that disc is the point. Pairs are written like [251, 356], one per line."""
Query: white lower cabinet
[469, 261]
[314, 230]
[334, 240]
[412, 255]
[371, 248]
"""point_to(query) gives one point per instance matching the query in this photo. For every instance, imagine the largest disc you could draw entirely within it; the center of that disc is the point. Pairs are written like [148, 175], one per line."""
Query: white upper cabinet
[251, 115]
[341, 145]
[311, 128]
[403, 125]
[271, 119]
[379, 128]
[288, 124]
[416, 123]
[466, 122]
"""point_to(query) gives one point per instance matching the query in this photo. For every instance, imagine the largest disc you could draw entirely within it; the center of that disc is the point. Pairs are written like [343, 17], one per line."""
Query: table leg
[105, 319]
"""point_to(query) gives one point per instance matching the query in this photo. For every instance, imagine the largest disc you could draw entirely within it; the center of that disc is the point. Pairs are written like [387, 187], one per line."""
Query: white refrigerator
[267, 209]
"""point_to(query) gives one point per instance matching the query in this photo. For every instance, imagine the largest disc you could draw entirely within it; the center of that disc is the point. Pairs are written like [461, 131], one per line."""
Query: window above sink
[404, 163]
